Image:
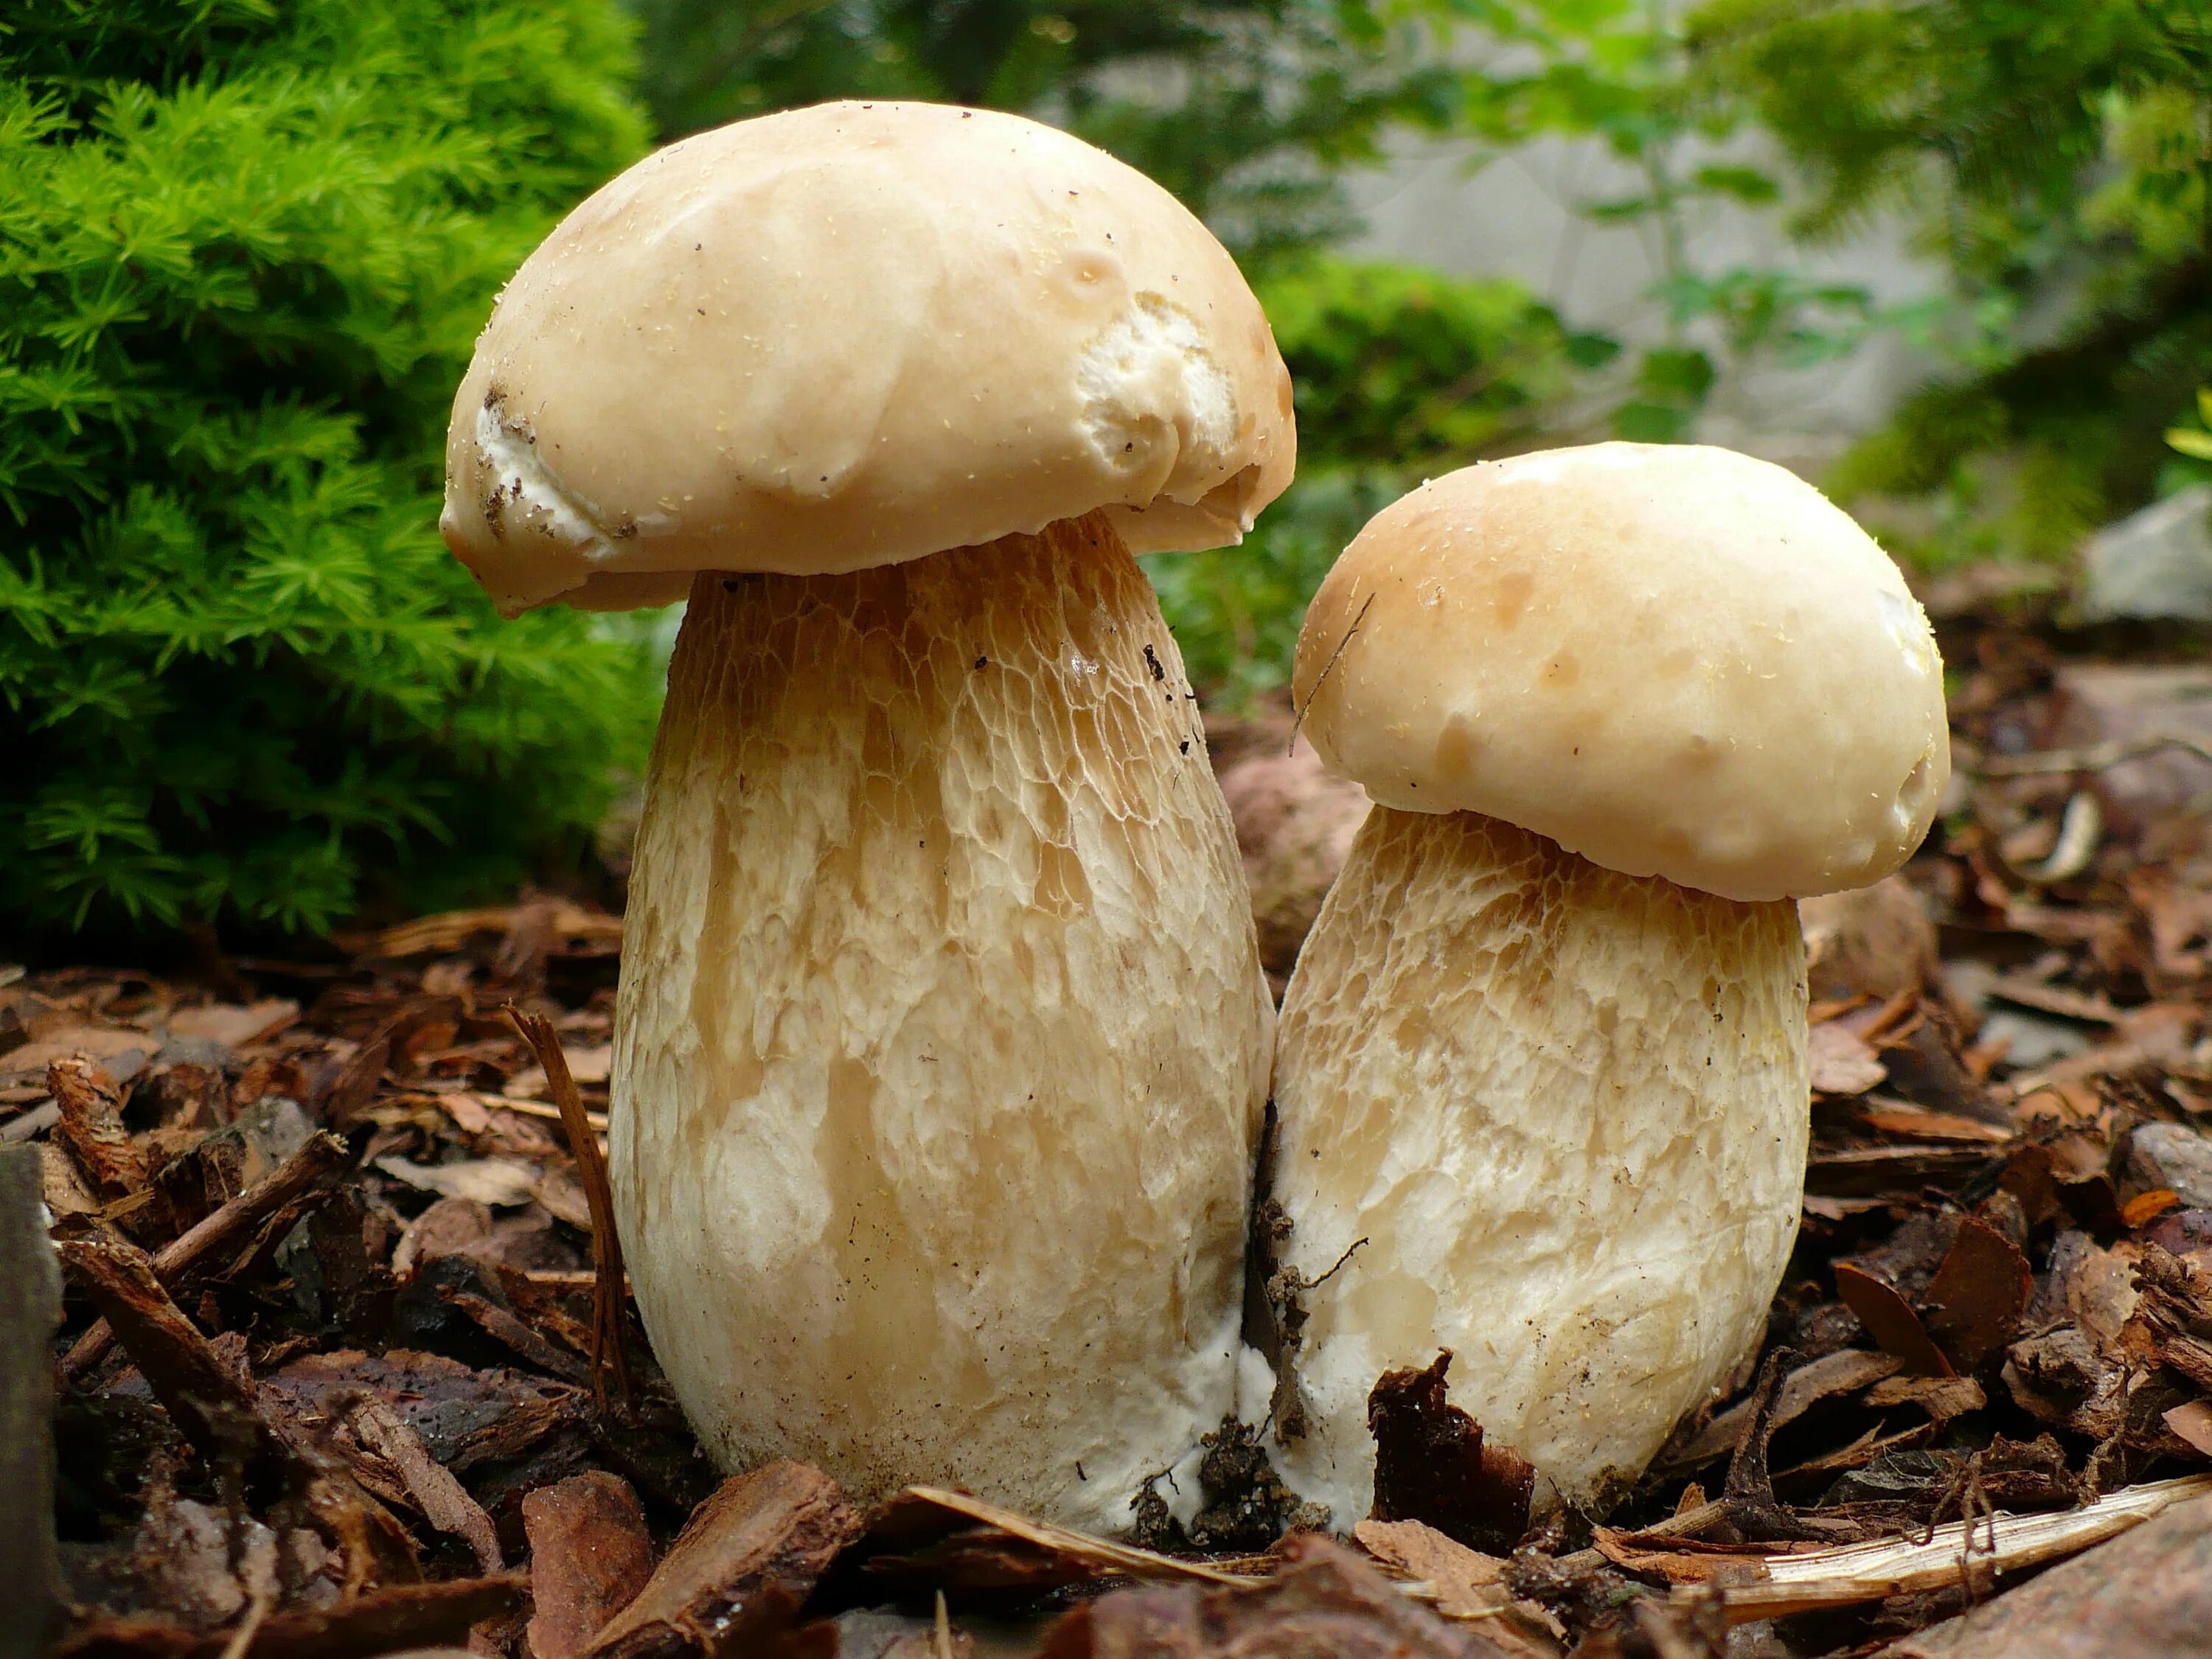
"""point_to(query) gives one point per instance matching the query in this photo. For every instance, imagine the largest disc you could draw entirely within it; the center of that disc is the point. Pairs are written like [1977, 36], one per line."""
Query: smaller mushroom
[1541, 1069]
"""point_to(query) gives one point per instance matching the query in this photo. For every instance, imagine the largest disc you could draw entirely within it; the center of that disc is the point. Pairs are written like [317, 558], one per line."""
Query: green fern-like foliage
[245, 245]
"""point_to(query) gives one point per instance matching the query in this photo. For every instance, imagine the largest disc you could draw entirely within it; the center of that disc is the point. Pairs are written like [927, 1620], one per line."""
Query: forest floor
[366, 1390]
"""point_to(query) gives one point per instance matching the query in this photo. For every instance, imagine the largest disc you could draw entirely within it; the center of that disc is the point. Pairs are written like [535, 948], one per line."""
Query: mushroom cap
[852, 335]
[1675, 661]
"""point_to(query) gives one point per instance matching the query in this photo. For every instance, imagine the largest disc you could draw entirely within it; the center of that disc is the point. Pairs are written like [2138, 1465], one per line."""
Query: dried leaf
[500, 1182]
[1463, 1582]
[1973, 1305]
[233, 1025]
[1842, 1063]
[1890, 1319]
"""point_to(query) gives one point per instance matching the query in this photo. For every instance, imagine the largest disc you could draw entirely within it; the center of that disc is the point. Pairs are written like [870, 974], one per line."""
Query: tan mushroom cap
[1675, 661]
[852, 335]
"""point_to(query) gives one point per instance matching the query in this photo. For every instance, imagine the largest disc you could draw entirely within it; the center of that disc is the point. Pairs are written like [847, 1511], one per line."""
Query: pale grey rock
[2155, 564]
[2170, 1154]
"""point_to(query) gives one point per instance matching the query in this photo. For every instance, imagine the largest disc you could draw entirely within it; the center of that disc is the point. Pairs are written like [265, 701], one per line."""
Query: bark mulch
[339, 1372]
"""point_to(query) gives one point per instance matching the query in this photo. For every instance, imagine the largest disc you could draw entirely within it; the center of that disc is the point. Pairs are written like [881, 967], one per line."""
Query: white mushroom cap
[1671, 660]
[854, 335]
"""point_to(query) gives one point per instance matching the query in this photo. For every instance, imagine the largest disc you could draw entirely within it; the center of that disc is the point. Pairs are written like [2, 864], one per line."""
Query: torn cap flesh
[850, 336]
[1675, 661]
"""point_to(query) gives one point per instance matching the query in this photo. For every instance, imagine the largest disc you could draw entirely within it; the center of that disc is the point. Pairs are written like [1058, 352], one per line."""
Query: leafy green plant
[244, 248]
[1397, 370]
[1394, 365]
[2055, 154]
[1237, 611]
[2192, 448]
[1246, 111]
[1622, 72]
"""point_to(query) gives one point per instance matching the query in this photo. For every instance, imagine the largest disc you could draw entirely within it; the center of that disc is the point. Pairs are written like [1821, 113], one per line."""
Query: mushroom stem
[1567, 1108]
[942, 1039]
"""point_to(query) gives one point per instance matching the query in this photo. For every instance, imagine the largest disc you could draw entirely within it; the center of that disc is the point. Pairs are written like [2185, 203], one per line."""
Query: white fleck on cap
[853, 335]
[1675, 661]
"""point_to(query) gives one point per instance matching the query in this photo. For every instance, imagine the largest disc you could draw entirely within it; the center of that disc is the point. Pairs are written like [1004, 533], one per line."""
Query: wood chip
[93, 1043]
[590, 1555]
[91, 1128]
[981, 1545]
[278, 1198]
[219, 1410]
[445, 1503]
[738, 1569]
[383, 1621]
[2192, 1423]
[1431, 1464]
[1462, 1582]
[1324, 1600]
[1855, 1573]
[1942, 1397]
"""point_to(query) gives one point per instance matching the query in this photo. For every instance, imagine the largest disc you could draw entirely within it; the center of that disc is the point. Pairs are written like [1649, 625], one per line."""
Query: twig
[2044, 762]
[1103, 1554]
[248, 1627]
[610, 1333]
[1315, 1284]
[1871, 1572]
[1299, 715]
[321, 1157]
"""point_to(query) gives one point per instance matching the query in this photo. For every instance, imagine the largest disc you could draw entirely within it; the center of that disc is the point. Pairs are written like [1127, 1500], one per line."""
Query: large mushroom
[1541, 1068]
[941, 1039]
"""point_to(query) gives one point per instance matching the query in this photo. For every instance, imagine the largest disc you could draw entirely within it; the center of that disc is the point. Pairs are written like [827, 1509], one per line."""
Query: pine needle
[610, 1339]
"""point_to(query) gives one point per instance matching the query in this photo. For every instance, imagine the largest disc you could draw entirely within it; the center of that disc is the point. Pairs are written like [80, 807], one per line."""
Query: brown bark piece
[2147, 1593]
[747, 1556]
[590, 1555]
[30, 1308]
[287, 1189]
[445, 1503]
[233, 1025]
[1431, 1464]
[1842, 1063]
[218, 1409]
[1325, 1600]
[1837, 1373]
[1870, 941]
[91, 1126]
[379, 1623]
[209, 1402]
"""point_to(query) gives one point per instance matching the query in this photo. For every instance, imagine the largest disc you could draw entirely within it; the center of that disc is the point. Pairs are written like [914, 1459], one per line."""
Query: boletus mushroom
[1541, 1067]
[941, 1039]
